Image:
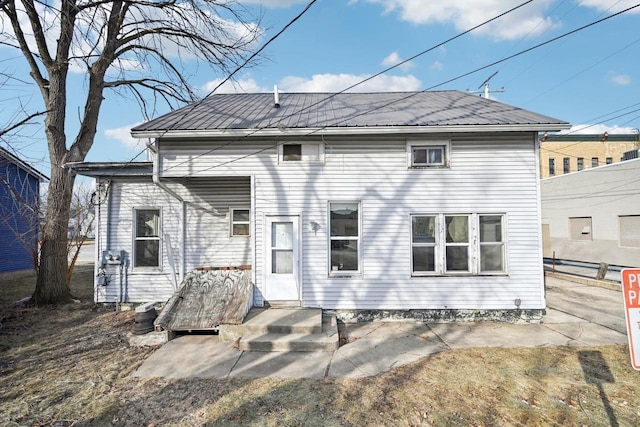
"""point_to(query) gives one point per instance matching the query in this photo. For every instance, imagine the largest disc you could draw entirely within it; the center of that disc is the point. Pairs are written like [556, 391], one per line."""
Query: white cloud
[393, 59]
[123, 135]
[436, 65]
[606, 6]
[90, 34]
[338, 82]
[275, 3]
[246, 85]
[597, 129]
[526, 21]
[619, 79]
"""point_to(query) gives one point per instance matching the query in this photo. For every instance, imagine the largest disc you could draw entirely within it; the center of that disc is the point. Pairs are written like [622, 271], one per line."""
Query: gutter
[183, 230]
[346, 131]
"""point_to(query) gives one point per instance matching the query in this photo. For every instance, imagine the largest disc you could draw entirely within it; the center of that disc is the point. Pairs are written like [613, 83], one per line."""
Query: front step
[284, 330]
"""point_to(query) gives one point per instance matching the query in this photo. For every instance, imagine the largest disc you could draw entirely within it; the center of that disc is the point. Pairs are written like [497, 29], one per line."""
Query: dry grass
[72, 365]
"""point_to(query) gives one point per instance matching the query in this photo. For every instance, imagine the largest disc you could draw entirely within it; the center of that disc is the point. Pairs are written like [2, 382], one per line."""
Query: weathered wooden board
[207, 299]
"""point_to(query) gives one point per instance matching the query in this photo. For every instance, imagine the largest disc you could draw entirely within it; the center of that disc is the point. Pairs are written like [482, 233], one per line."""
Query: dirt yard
[72, 365]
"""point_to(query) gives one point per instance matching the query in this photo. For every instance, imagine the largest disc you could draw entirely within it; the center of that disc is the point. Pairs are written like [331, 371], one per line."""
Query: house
[593, 215]
[419, 204]
[565, 153]
[19, 221]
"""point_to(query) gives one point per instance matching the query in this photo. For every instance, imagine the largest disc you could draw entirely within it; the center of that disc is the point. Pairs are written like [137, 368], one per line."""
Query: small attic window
[306, 152]
[292, 152]
[426, 154]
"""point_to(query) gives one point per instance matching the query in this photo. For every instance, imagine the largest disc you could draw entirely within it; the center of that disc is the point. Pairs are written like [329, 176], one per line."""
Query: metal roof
[439, 109]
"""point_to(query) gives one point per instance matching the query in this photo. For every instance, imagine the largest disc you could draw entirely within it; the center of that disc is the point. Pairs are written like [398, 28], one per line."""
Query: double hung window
[240, 222]
[147, 244]
[344, 224]
[444, 244]
[492, 248]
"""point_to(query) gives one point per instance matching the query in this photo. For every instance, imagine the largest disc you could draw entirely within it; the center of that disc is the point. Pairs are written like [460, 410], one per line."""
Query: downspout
[183, 205]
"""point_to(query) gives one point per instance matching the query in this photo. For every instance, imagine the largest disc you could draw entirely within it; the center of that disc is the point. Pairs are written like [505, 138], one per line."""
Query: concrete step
[326, 340]
[306, 321]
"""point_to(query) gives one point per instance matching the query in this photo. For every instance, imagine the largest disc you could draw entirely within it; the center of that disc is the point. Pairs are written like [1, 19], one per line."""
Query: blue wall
[16, 253]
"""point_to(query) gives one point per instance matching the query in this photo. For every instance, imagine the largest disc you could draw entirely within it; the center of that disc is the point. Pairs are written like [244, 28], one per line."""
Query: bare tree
[138, 46]
[80, 224]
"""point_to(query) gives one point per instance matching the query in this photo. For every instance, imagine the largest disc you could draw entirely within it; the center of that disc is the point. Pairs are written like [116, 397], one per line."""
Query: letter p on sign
[631, 292]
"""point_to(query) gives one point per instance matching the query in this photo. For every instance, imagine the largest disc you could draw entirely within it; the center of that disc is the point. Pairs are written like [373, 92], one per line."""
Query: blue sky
[590, 78]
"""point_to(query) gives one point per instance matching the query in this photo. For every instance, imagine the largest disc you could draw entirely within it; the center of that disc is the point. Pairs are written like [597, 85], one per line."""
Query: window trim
[344, 273]
[436, 246]
[135, 238]
[467, 244]
[232, 222]
[418, 144]
[474, 246]
[503, 243]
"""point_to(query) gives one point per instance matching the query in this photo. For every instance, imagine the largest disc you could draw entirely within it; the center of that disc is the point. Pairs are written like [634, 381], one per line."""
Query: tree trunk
[52, 286]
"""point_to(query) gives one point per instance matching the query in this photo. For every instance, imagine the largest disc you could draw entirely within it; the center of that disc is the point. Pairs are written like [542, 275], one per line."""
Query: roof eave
[113, 169]
[377, 130]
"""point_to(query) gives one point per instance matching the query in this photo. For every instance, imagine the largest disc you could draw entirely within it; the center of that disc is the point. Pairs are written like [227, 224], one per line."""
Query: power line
[195, 104]
[415, 93]
[353, 85]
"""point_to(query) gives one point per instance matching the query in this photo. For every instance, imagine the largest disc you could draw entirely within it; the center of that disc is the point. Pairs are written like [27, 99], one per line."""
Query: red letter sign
[631, 291]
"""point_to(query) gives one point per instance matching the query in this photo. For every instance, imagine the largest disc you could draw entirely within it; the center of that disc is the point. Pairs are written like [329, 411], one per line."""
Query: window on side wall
[594, 162]
[565, 165]
[580, 228]
[445, 244]
[344, 240]
[423, 154]
[629, 226]
[240, 222]
[147, 243]
[492, 247]
[424, 243]
[296, 153]
[552, 166]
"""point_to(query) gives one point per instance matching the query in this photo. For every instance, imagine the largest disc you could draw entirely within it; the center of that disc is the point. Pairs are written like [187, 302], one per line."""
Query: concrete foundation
[151, 339]
[441, 316]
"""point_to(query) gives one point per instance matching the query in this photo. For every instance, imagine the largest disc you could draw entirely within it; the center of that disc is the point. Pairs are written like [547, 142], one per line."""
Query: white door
[282, 278]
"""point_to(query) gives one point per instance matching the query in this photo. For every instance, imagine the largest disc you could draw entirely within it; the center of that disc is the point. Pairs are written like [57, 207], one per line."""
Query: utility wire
[354, 85]
[522, 52]
[195, 104]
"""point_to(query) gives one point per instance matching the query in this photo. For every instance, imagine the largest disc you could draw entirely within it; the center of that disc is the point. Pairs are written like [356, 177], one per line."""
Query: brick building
[561, 154]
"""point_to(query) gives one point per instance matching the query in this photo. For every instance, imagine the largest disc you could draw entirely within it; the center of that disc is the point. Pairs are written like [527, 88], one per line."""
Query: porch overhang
[113, 169]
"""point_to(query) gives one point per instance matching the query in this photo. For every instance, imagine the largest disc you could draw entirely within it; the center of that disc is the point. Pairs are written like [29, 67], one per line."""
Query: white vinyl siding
[488, 173]
[208, 243]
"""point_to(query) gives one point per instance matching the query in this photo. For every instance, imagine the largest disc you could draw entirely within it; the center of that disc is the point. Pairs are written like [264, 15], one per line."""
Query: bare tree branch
[137, 47]
[20, 123]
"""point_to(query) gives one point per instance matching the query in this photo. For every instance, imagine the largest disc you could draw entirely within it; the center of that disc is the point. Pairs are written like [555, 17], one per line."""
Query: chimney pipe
[276, 97]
